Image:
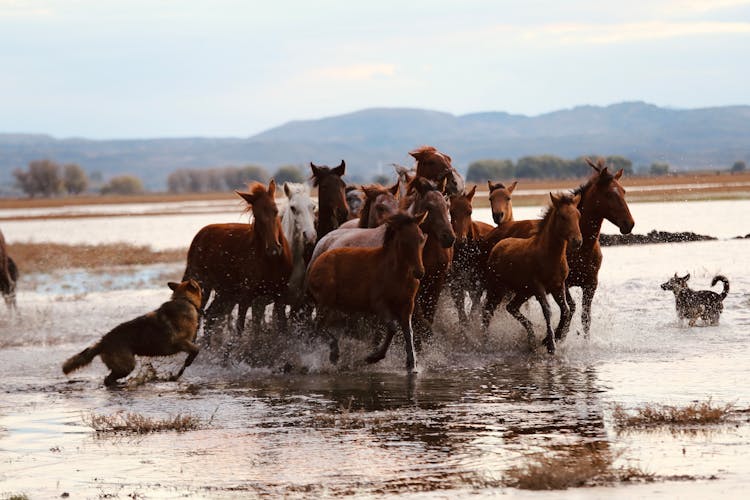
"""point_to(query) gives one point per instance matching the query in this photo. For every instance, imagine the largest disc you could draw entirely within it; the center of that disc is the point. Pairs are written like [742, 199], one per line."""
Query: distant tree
[124, 185]
[237, 178]
[288, 173]
[74, 179]
[658, 168]
[178, 181]
[544, 166]
[489, 170]
[739, 166]
[620, 162]
[42, 178]
[381, 179]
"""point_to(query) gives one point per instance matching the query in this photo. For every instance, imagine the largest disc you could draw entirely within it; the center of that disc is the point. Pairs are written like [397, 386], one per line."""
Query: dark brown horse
[602, 197]
[500, 201]
[535, 266]
[241, 263]
[380, 281]
[8, 275]
[424, 195]
[380, 202]
[436, 166]
[465, 273]
[332, 207]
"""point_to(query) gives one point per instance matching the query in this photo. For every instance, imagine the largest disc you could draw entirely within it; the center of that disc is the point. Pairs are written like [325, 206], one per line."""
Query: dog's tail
[724, 280]
[82, 358]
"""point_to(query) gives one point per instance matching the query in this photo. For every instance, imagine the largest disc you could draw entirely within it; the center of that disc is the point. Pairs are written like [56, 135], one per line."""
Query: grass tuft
[651, 415]
[590, 464]
[135, 423]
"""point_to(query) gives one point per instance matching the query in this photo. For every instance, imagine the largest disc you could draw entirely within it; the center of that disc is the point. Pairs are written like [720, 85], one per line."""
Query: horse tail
[724, 280]
[82, 358]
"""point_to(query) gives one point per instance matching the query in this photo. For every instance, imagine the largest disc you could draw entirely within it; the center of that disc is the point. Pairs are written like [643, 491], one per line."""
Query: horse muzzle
[419, 273]
[447, 240]
[576, 243]
[497, 217]
[627, 227]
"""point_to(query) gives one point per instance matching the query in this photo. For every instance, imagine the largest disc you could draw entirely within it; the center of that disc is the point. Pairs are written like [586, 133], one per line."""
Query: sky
[220, 68]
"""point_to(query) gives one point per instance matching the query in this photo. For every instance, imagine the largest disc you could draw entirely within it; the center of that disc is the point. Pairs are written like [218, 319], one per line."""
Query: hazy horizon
[165, 69]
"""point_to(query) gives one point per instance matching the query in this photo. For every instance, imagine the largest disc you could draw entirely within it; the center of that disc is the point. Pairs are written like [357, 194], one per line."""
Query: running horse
[536, 266]
[298, 224]
[8, 275]
[332, 207]
[436, 166]
[241, 263]
[380, 281]
[465, 274]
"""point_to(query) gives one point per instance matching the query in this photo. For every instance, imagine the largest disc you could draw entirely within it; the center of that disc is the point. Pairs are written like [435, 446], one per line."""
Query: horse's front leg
[565, 314]
[456, 286]
[588, 298]
[549, 340]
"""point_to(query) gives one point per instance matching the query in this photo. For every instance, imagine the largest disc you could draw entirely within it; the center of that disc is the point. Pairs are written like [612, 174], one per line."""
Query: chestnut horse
[405, 175]
[426, 196]
[465, 274]
[241, 262]
[380, 281]
[602, 197]
[380, 203]
[8, 275]
[500, 201]
[332, 207]
[436, 166]
[535, 266]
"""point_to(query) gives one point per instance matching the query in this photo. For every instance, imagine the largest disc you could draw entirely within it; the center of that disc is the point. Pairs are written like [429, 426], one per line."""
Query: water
[478, 406]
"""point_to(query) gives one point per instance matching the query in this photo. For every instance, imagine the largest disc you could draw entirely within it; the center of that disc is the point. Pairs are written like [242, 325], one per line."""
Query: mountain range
[369, 140]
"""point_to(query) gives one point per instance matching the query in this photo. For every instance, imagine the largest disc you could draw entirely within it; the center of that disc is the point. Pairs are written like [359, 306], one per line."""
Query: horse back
[521, 262]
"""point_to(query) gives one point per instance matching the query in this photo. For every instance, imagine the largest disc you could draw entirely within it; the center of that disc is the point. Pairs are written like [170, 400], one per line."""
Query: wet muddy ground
[480, 405]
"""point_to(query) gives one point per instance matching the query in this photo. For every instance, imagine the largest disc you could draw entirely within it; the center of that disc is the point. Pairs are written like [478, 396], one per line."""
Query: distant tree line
[46, 178]
[539, 167]
[205, 180]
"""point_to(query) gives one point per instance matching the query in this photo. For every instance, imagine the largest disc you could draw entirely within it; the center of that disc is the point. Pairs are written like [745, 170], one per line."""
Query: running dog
[691, 304]
[168, 330]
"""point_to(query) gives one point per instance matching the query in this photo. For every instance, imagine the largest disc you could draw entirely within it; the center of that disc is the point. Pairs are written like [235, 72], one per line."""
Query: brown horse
[332, 207]
[465, 274]
[500, 201]
[535, 266]
[436, 166]
[380, 281]
[8, 275]
[426, 196]
[602, 197]
[241, 262]
[380, 203]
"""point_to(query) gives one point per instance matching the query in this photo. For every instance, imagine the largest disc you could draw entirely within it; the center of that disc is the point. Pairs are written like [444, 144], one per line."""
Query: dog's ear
[172, 285]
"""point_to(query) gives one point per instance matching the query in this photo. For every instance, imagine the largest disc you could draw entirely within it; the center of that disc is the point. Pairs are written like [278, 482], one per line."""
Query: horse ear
[400, 170]
[172, 285]
[593, 165]
[286, 190]
[471, 193]
[420, 218]
[489, 185]
[272, 188]
[618, 175]
[576, 199]
[340, 169]
[370, 191]
[512, 186]
[248, 197]
[394, 189]
[554, 199]
[315, 169]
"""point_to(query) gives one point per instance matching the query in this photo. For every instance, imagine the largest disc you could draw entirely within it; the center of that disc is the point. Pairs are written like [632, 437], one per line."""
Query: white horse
[298, 224]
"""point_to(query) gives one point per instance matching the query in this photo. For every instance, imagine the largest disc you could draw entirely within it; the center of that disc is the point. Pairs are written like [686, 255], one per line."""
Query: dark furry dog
[168, 330]
[691, 304]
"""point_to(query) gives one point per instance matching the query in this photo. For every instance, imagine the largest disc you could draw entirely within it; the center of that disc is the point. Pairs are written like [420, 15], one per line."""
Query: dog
[691, 304]
[170, 329]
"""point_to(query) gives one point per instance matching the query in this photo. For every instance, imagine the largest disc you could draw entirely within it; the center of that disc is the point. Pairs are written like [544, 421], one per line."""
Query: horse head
[300, 213]
[267, 226]
[380, 203]
[331, 196]
[460, 211]
[404, 235]
[426, 196]
[565, 219]
[500, 201]
[437, 166]
[605, 197]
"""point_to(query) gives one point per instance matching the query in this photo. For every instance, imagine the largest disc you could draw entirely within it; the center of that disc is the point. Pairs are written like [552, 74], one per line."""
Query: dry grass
[46, 257]
[652, 415]
[590, 464]
[135, 423]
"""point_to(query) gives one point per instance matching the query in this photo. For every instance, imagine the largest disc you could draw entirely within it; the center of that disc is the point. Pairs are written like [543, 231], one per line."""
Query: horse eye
[294, 210]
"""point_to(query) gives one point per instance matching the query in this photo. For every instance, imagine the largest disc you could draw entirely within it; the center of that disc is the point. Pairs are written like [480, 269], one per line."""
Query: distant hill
[371, 139]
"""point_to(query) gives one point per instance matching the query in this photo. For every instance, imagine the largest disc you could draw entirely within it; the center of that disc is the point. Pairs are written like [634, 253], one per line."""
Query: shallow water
[478, 406]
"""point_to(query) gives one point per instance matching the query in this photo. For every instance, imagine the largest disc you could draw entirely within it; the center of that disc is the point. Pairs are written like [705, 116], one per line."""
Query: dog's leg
[120, 364]
[192, 350]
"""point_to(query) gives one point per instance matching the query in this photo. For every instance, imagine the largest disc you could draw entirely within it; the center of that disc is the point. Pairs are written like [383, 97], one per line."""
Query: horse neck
[590, 222]
[549, 241]
[293, 235]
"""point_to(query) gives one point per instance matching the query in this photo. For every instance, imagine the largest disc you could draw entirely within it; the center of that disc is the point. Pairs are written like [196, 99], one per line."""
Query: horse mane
[549, 212]
[253, 189]
[601, 176]
[496, 186]
[323, 170]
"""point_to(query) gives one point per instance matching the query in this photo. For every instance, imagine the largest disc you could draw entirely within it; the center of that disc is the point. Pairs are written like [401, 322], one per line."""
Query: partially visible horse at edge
[8, 275]
[535, 266]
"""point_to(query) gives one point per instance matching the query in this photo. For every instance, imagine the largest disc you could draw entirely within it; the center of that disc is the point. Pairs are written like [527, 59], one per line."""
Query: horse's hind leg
[549, 340]
[382, 350]
[490, 304]
[588, 298]
[565, 314]
[120, 364]
[333, 342]
[514, 308]
[457, 293]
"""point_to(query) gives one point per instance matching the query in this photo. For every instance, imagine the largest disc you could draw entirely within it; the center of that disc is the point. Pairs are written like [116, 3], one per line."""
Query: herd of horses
[387, 253]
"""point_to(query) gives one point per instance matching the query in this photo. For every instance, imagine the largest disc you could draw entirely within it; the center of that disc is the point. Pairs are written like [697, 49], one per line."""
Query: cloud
[701, 6]
[21, 8]
[630, 32]
[354, 72]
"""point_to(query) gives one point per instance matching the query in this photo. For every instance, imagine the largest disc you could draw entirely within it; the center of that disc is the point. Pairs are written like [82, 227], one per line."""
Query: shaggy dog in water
[691, 304]
[168, 330]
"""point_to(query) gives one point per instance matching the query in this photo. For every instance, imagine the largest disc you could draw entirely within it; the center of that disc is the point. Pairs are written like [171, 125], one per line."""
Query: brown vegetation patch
[589, 464]
[652, 415]
[135, 423]
[46, 257]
